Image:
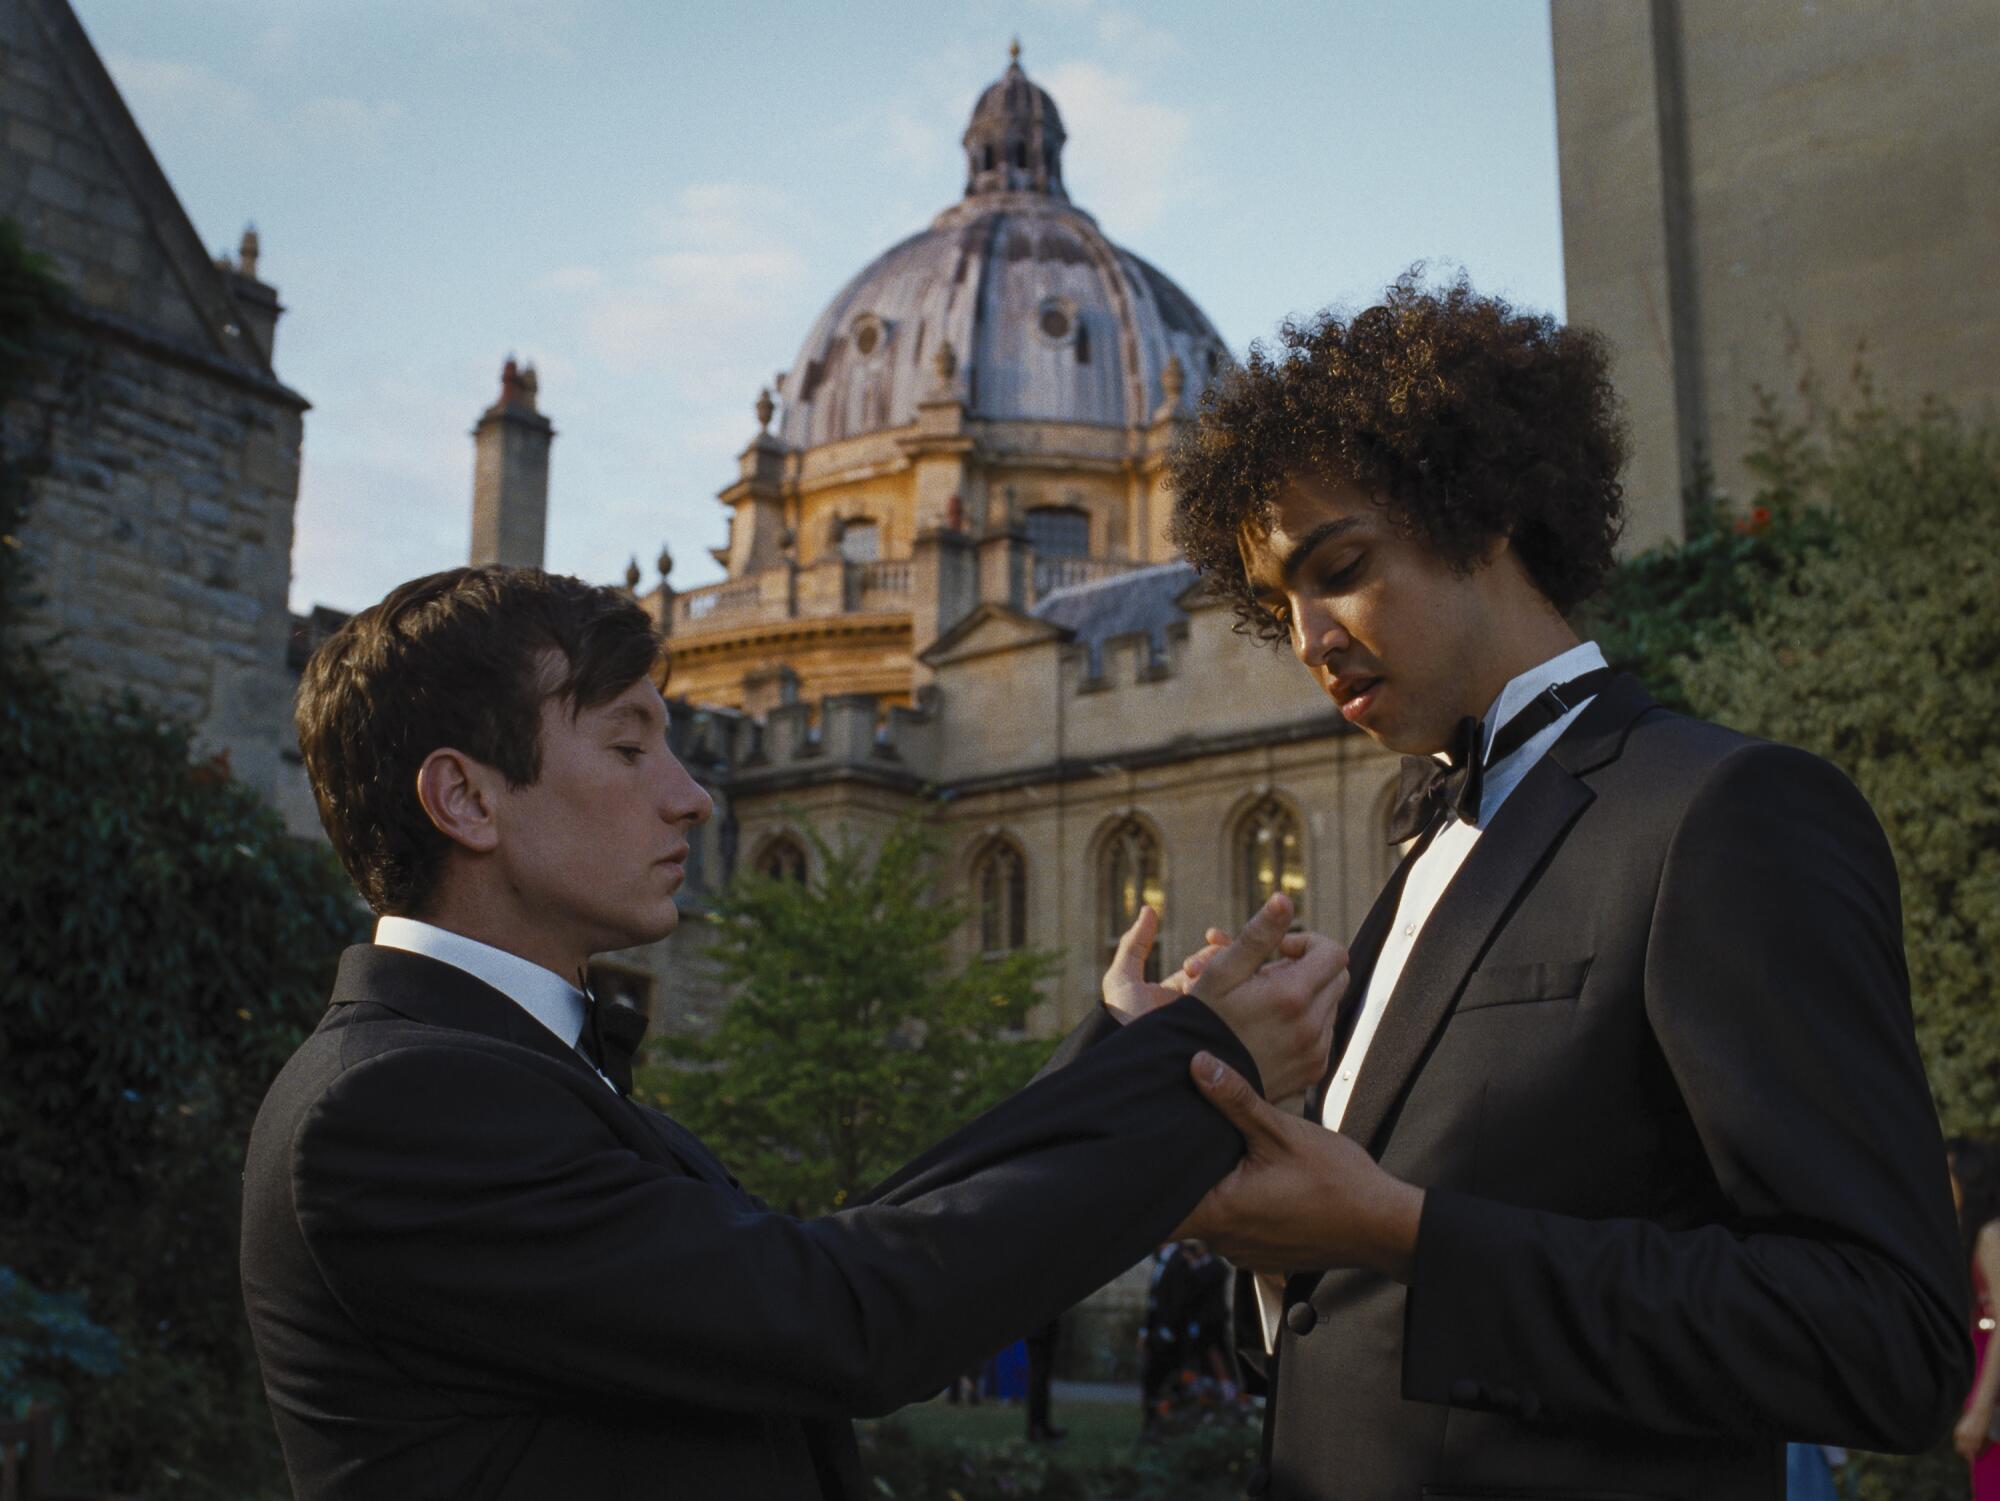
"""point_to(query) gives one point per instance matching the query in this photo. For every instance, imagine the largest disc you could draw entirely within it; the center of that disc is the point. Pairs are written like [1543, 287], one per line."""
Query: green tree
[852, 1040]
[164, 945]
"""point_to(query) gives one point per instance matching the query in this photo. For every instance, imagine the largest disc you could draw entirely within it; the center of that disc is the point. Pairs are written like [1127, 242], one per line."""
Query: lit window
[1268, 856]
[1128, 874]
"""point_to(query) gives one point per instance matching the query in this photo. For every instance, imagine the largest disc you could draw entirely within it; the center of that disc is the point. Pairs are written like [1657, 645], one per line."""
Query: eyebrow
[1304, 548]
[633, 712]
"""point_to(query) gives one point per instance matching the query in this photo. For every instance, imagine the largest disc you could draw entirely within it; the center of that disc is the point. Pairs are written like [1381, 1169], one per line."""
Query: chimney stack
[256, 301]
[510, 474]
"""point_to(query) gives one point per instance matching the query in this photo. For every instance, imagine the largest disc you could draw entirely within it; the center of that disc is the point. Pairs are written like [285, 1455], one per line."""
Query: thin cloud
[1127, 160]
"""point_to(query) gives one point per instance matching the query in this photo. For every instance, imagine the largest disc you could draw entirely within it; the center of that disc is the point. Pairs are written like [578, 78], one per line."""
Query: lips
[1355, 695]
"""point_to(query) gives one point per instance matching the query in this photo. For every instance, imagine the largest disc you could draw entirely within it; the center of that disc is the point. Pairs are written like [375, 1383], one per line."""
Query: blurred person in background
[1975, 1187]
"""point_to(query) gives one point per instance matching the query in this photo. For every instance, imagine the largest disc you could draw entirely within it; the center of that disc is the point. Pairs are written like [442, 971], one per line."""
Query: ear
[455, 792]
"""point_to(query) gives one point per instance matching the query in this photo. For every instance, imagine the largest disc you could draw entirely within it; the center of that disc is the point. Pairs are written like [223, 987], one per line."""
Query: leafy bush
[46, 1341]
[1882, 653]
[164, 945]
[852, 1040]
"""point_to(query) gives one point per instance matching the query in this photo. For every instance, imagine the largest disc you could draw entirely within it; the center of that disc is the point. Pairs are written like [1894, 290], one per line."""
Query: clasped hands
[1302, 1198]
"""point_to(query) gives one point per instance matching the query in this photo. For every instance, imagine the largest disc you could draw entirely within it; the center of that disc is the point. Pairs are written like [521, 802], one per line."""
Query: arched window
[1000, 886]
[860, 542]
[1128, 878]
[1269, 856]
[1059, 532]
[783, 859]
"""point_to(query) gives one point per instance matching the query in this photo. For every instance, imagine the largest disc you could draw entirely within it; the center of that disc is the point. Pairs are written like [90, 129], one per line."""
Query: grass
[1097, 1430]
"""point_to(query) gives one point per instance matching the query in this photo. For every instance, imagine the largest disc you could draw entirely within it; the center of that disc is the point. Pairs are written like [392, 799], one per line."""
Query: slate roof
[1147, 599]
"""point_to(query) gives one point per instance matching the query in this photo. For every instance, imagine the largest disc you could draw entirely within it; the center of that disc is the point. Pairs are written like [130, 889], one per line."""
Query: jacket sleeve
[460, 1204]
[1832, 1305]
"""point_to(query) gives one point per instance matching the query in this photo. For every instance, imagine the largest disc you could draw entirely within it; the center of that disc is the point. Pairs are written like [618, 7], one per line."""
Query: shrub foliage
[854, 1039]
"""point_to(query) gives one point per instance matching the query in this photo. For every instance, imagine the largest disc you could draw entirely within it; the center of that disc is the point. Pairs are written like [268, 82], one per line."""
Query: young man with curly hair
[1623, 1170]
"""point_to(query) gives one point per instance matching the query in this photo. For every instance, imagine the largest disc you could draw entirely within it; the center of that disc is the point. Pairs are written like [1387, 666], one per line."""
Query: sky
[652, 202]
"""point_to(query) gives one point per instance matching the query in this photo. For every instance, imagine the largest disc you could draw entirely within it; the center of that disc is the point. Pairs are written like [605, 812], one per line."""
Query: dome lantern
[1014, 143]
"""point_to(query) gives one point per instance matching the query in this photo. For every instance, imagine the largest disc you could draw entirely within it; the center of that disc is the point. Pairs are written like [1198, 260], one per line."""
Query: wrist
[1393, 1227]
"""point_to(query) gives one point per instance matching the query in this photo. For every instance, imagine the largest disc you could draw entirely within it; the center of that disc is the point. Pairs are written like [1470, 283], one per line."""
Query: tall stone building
[161, 529]
[1753, 191]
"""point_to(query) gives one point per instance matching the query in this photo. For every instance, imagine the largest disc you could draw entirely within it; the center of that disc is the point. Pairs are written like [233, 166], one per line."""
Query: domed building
[981, 413]
[950, 591]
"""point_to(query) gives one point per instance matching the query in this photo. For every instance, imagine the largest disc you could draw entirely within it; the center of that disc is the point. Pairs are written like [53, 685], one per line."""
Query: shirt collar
[1584, 657]
[543, 994]
[1503, 776]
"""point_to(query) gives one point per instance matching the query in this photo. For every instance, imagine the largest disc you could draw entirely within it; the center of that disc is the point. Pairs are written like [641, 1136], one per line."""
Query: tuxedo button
[1531, 1406]
[1504, 1397]
[1465, 1392]
[1300, 1318]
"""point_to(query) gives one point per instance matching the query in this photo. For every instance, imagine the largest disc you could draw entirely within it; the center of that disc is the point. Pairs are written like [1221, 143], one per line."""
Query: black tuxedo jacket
[472, 1270]
[1652, 1061]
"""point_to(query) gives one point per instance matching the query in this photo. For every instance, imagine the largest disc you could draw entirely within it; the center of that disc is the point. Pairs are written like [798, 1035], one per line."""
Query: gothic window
[1128, 877]
[860, 542]
[783, 859]
[1059, 532]
[1269, 856]
[1000, 887]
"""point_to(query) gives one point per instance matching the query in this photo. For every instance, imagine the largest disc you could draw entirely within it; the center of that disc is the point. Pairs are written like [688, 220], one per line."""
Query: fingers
[1135, 944]
[1230, 1093]
[1243, 957]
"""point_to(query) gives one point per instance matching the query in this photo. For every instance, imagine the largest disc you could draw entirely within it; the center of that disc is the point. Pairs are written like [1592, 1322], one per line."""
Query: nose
[1316, 635]
[683, 799]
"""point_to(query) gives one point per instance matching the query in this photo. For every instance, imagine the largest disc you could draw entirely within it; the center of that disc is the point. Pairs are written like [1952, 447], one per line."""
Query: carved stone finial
[632, 574]
[1014, 50]
[945, 362]
[665, 562]
[246, 252]
[1173, 379]
[766, 409]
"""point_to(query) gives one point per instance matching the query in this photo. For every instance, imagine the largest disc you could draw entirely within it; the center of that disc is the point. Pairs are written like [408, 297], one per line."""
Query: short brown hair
[466, 659]
[1467, 419]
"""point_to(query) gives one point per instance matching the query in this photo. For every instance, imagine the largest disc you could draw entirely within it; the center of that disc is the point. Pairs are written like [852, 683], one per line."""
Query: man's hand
[1303, 1199]
[1129, 995]
[1281, 1009]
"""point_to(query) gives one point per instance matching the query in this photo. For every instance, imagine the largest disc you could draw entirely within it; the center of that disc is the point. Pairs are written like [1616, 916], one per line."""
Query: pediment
[990, 628]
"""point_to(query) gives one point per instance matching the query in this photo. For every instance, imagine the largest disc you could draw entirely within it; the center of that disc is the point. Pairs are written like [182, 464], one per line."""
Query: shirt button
[1347, 1076]
[1409, 930]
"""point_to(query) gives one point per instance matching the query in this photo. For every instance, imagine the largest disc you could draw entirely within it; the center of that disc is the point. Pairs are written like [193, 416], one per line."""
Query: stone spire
[1014, 143]
[510, 473]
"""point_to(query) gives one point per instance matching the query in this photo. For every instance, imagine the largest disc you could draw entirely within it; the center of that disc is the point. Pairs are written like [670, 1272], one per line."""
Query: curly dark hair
[1468, 419]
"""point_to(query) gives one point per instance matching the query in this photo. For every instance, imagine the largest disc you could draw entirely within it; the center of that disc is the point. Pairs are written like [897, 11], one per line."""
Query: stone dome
[1047, 320]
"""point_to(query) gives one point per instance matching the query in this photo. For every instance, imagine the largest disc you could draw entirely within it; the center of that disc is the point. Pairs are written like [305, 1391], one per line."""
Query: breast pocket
[1523, 984]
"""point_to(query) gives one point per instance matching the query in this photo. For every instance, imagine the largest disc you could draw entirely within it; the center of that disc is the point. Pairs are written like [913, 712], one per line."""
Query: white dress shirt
[542, 993]
[1429, 877]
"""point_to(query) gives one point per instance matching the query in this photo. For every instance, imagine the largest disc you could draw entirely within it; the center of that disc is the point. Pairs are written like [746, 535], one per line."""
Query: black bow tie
[1430, 788]
[612, 1031]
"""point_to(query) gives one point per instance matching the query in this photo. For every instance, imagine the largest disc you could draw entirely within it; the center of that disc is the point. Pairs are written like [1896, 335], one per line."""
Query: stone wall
[160, 533]
[1753, 191]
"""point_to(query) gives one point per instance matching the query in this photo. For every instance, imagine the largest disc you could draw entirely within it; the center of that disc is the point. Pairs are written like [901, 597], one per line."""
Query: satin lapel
[1361, 956]
[1480, 896]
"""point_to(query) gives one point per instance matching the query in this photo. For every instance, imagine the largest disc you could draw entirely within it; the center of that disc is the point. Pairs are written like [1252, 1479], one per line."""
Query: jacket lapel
[1479, 899]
